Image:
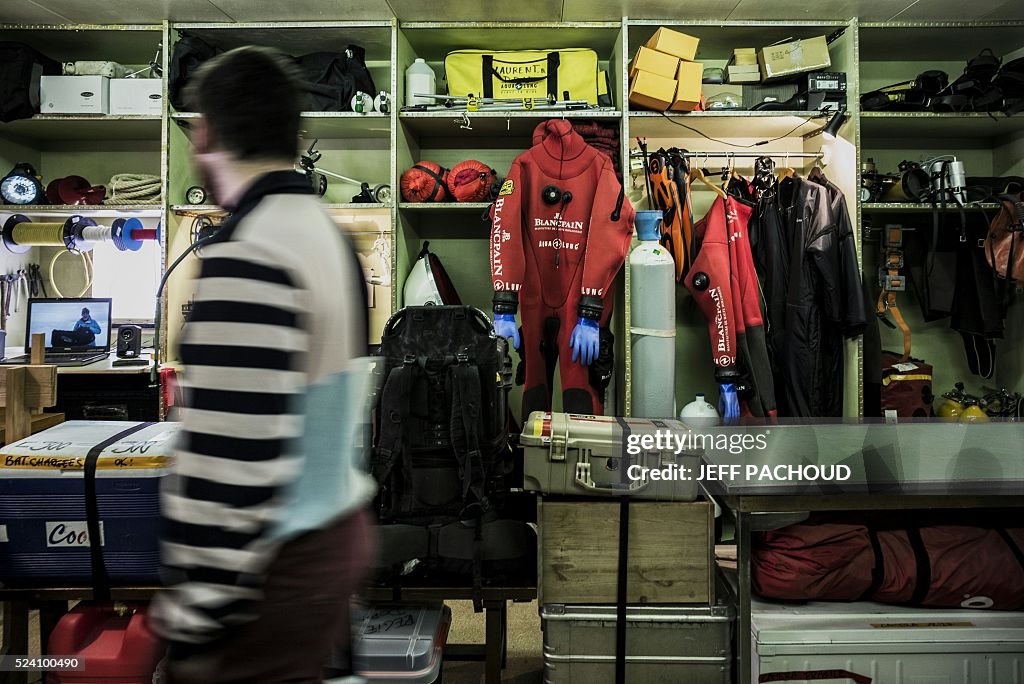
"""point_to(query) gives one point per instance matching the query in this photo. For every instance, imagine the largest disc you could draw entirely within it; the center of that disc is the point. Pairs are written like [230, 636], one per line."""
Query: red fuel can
[112, 640]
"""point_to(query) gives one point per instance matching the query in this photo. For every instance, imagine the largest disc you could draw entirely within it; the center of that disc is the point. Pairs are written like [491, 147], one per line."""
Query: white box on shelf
[888, 644]
[74, 95]
[136, 96]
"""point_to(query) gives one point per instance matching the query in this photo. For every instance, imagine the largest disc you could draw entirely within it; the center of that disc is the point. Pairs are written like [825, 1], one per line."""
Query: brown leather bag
[1004, 244]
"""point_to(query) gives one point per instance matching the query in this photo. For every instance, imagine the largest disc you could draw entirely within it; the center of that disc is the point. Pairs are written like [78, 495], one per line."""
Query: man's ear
[200, 135]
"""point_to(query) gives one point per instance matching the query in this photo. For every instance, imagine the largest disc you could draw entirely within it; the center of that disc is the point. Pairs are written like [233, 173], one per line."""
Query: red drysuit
[555, 255]
[724, 283]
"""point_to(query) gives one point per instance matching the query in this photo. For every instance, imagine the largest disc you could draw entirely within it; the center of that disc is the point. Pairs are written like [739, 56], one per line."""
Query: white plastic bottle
[419, 79]
[699, 413]
[653, 325]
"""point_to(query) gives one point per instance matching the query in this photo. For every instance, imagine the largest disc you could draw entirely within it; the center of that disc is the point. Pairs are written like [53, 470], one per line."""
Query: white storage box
[887, 644]
[74, 95]
[396, 643]
[136, 96]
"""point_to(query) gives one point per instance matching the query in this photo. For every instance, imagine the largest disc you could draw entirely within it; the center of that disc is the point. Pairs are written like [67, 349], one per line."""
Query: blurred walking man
[266, 531]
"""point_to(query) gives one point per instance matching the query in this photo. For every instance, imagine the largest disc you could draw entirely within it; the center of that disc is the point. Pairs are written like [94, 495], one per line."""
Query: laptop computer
[77, 330]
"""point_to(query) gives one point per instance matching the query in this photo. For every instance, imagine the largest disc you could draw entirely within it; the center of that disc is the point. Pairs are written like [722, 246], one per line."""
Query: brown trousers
[304, 614]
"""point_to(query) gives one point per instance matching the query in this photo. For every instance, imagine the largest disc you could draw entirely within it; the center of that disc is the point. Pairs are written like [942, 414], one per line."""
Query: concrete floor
[525, 645]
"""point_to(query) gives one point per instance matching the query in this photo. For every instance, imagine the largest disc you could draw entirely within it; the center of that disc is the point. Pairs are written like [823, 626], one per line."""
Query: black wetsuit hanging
[977, 312]
[816, 300]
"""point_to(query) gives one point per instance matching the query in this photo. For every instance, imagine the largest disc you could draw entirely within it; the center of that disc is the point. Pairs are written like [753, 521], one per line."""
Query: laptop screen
[70, 324]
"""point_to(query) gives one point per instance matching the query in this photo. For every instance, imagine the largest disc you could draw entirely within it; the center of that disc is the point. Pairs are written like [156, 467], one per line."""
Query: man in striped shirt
[266, 534]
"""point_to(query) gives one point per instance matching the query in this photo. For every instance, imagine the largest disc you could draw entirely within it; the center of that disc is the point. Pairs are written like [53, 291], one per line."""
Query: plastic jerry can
[419, 80]
[111, 639]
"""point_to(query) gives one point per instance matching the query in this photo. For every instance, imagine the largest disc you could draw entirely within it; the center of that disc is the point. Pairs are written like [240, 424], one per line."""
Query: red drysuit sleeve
[742, 264]
[607, 239]
[709, 281]
[508, 262]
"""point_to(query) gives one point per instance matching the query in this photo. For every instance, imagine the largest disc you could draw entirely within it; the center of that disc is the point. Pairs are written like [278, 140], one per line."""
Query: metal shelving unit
[725, 123]
[445, 207]
[90, 211]
[938, 125]
[452, 123]
[882, 207]
[44, 128]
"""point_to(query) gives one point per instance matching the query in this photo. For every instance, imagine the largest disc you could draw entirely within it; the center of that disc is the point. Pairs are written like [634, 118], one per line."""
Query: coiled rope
[134, 188]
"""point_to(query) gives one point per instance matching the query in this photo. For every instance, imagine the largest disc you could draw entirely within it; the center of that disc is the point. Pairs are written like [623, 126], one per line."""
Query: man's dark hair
[84, 311]
[251, 100]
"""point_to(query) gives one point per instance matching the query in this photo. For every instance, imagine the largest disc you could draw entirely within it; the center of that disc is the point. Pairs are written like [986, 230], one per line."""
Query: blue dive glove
[505, 326]
[585, 341]
[728, 403]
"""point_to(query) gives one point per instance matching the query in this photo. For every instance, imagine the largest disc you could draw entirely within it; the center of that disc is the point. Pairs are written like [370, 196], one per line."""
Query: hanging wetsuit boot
[560, 232]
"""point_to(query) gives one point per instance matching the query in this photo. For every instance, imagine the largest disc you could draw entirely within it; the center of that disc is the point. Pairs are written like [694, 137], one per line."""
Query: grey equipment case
[586, 456]
[666, 643]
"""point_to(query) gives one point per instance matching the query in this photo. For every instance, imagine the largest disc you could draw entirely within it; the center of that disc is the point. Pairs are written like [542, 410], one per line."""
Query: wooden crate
[670, 552]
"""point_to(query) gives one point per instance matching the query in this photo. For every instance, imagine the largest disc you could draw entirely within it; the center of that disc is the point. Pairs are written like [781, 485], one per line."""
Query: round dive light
[22, 185]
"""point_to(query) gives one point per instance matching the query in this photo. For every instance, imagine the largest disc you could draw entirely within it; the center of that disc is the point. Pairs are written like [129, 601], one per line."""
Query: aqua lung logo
[558, 243]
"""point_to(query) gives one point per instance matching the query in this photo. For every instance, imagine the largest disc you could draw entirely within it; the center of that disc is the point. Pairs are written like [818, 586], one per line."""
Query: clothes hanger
[817, 175]
[786, 171]
[697, 173]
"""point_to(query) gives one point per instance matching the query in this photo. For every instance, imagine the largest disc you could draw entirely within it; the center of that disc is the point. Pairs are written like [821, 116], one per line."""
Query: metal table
[904, 467]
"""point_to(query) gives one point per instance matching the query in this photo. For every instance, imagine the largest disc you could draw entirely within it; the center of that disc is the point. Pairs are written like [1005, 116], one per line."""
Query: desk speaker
[129, 341]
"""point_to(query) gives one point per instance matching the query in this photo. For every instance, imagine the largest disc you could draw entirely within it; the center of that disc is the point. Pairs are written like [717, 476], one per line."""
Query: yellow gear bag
[518, 74]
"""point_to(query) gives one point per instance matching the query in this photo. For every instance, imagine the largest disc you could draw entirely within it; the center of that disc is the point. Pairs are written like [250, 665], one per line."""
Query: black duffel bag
[333, 78]
[21, 67]
[188, 55]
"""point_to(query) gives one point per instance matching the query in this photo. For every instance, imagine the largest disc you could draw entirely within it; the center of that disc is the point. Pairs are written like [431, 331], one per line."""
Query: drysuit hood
[559, 150]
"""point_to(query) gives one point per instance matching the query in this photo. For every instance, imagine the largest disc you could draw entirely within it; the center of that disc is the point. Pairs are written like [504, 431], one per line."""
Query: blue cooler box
[44, 537]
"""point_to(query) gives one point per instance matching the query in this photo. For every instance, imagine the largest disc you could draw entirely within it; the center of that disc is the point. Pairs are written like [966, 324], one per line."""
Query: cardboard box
[674, 43]
[688, 87]
[653, 62]
[74, 95]
[744, 56]
[795, 57]
[652, 91]
[743, 74]
[136, 96]
[670, 552]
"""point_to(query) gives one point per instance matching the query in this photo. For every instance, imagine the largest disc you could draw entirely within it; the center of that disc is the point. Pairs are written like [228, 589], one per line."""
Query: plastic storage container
[398, 643]
[587, 456]
[419, 79]
[663, 644]
[43, 526]
[113, 642]
[652, 287]
[887, 644]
